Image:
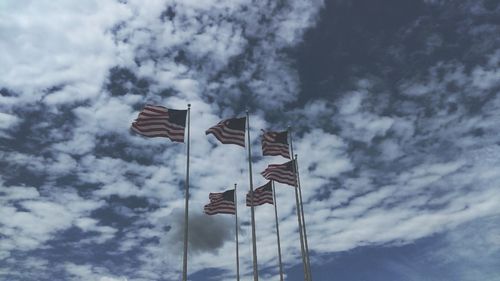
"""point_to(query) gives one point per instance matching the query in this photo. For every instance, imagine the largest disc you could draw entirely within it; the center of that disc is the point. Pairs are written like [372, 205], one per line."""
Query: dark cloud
[206, 233]
[122, 81]
[389, 41]
[394, 107]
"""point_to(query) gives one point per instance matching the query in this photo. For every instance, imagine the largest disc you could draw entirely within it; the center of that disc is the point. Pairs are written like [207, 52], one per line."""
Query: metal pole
[277, 233]
[254, 243]
[302, 247]
[186, 216]
[236, 227]
[303, 219]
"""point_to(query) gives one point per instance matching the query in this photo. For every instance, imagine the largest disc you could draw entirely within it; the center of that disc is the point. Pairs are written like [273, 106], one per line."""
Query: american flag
[275, 143]
[283, 173]
[261, 195]
[221, 203]
[159, 121]
[230, 131]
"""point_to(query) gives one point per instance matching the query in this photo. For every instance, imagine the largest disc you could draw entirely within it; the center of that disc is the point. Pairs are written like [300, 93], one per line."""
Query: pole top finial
[189, 105]
[295, 155]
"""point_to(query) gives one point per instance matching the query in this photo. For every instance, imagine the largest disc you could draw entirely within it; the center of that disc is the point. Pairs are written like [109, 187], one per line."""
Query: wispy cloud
[407, 151]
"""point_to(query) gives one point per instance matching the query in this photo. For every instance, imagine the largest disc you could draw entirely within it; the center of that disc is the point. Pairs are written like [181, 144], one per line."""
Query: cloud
[31, 219]
[78, 39]
[468, 256]
[89, 272]
[410, 153]
[7, 121]
[206, 233]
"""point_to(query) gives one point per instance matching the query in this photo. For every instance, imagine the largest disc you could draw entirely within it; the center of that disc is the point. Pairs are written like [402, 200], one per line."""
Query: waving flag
[275, 143]
[230, 131]
[221, 203]
[283, 173]
[261, 195]
[159, 121]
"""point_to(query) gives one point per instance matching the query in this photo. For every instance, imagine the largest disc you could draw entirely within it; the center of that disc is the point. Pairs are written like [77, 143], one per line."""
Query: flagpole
[277, 233]
[302, 247]
[254, 243]
[186, 216]
[236, 228]
[303, 219]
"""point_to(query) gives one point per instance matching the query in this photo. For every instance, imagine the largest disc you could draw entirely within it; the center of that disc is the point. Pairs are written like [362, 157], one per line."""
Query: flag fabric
[261, 195]
[221, 203]
[229, 131]
[275, 143]
[283, 173]
[159, 121]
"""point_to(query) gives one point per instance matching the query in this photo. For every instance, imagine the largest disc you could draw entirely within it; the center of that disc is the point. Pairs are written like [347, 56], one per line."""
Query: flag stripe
[157, 127]
[174, 135]
[285, 180]
[225, 135]
[153, 112]
[275, 143]
[227, 138]
[160, 125]
[260, 200]
[220, 211]
[229, 131]
[156, 108]
[147, 116]
[155, 121]
[225, 132]
[215, 206]
[220, 203]
[284, 176]
[282, 173]
[153, 135]
[158, 133]
[270, 145]
[261, 195]
[275, 151]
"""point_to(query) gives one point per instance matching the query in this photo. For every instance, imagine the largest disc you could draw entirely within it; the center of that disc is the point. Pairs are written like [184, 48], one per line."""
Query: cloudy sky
[395, 106]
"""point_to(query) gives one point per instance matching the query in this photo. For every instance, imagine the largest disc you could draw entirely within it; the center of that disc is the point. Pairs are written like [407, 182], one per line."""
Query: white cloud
[85, 272]
[398, 179]
[8, 120]
[105, 115]
[30, 219]
[48, 44]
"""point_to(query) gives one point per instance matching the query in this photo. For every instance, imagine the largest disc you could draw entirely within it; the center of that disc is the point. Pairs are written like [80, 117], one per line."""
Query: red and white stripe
[226, 135]
[270, 147]
[219, 205]
[282, 173]
[153, 121]
[261, 195]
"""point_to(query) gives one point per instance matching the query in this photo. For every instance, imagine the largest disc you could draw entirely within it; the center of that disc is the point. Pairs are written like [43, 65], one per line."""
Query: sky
[394, 107]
